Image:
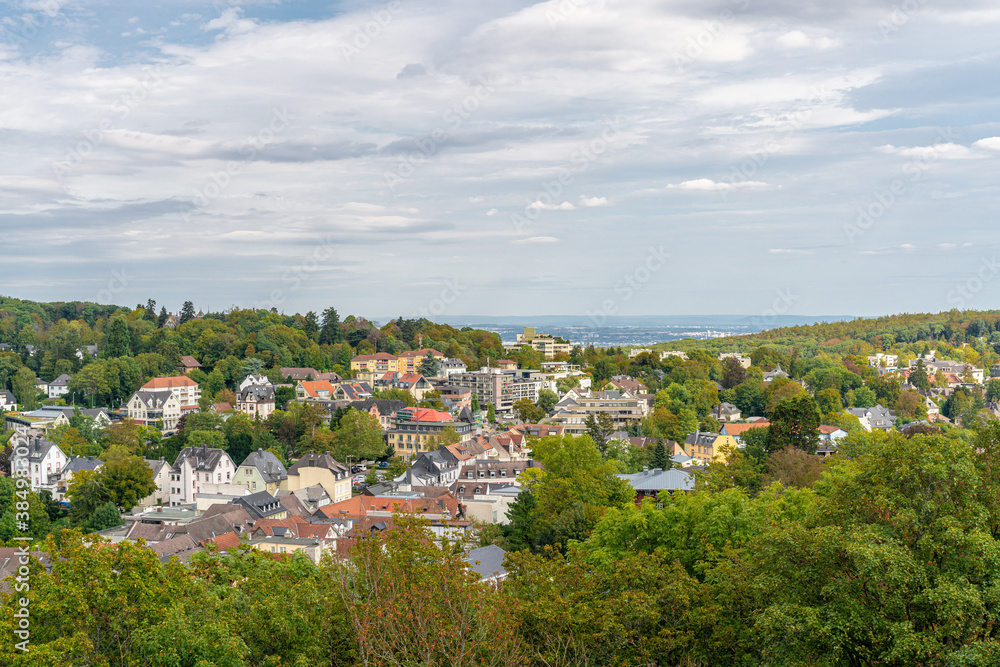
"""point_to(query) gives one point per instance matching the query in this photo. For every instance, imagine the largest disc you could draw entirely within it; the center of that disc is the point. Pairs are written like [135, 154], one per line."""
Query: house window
[253, 485]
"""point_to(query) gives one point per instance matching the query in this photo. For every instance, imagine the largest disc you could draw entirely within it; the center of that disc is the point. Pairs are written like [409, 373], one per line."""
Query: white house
[256, 400]
[41, 460]
[161, 477]
[149, 407]
[254, 381]
[58, 387]
[61, 482]
[7, 401]
[194, 467]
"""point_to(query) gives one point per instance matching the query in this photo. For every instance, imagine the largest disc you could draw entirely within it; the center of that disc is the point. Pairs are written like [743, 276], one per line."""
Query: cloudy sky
[457, 158]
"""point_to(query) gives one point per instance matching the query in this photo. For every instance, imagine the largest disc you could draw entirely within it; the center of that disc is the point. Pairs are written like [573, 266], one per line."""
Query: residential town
[473, 453]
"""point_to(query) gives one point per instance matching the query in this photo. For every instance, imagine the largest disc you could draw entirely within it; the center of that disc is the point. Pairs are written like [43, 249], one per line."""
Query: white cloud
[594, 201]
[541, 206]
[796, 39]
[946, 151]
[476, 200]
[789, 251]
[709, 184]
[991, 143]
[537, 239]
[493, 211]
[231, 21]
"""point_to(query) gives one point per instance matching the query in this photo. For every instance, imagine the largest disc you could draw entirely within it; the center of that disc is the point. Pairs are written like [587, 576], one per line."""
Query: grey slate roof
[260, 505]
[153, 400]
[260, 393]
[78, 463]
[703, 438]
[656, 480]
[487, 562]
[386, 406]
[201, 458]
[323, 460]
[268, 465]
[38, 447]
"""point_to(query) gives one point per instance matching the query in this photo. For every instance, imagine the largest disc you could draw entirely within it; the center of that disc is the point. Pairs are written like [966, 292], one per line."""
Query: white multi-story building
[39, 460]
[572, 410]
[256, 401]
[161, 477]
[880, 360]
[58, 387]
[150, 407]
[186, 390]
[744, 361]
[195, 467]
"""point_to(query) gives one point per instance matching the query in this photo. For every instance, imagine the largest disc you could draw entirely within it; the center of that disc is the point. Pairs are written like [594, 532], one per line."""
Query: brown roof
[10, 561]
[267, 525]
[227, 541]
[189, 362]
[173, 546]
[291, 503]
[740, 429]
[359, 507]
[170, 382]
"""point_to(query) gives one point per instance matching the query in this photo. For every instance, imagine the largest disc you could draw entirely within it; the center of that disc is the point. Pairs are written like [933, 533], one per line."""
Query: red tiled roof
[227, 541]
[359, 507]
[431, 415]
[823, 428]
[170, 382]
[740, 429]
[313, 387]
